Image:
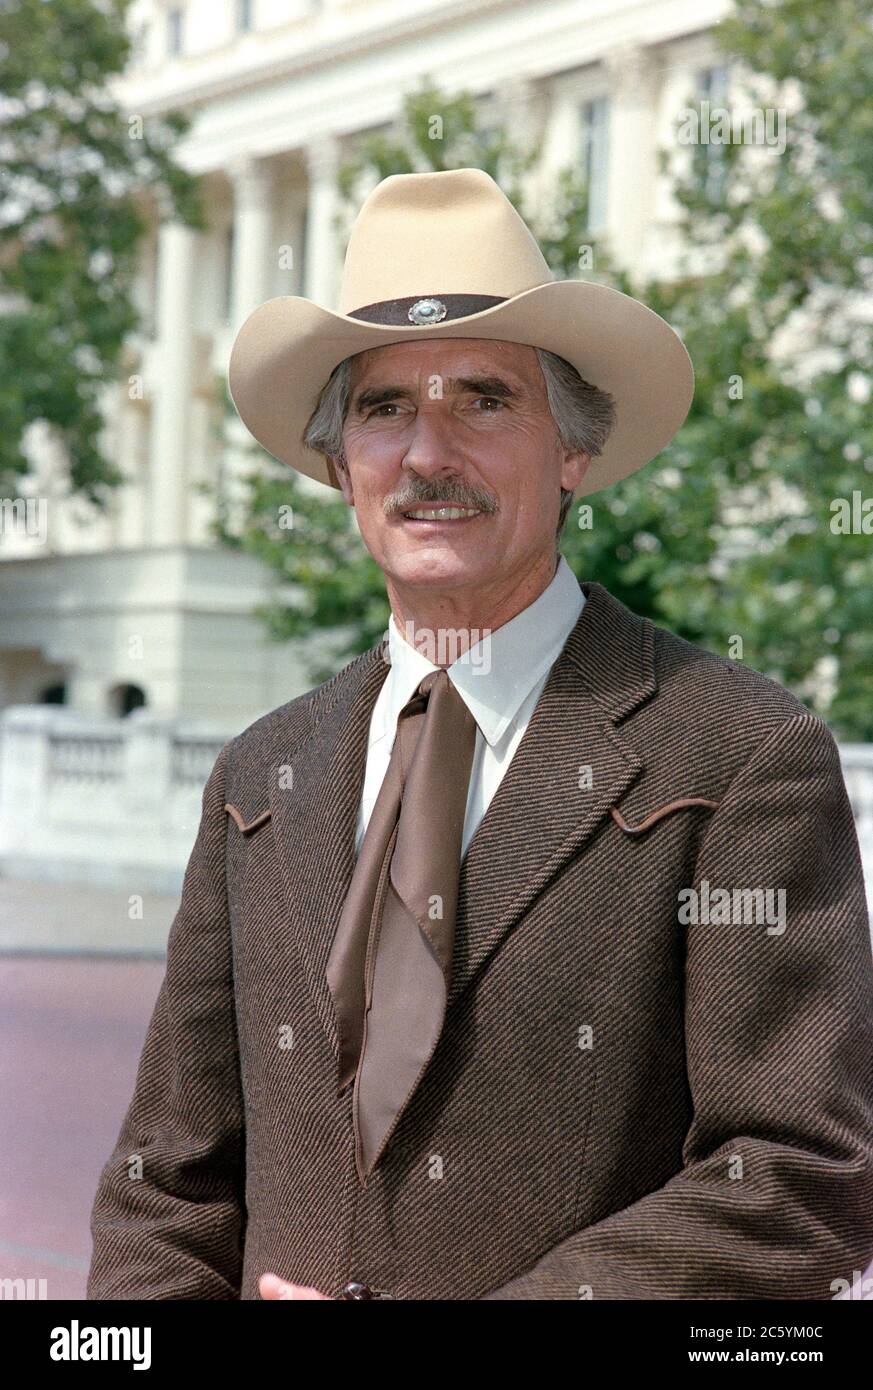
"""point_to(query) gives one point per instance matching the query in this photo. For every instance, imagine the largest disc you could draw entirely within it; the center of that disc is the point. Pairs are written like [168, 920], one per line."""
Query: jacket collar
[497, 674]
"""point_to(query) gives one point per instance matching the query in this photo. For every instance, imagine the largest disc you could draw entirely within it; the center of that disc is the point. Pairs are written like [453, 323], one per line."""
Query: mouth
[430, 515]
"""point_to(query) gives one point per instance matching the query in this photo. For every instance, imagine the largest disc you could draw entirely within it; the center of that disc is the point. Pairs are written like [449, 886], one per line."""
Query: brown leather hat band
[429, 308]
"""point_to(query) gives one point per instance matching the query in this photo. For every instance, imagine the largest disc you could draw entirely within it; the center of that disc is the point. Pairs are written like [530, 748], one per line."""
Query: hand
[271, 1286]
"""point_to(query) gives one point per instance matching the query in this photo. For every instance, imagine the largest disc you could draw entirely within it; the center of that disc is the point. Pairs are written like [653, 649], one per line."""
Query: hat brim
[287, 348]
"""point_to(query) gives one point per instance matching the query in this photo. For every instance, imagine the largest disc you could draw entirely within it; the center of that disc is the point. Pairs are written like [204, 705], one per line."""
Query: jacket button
[357, 1290]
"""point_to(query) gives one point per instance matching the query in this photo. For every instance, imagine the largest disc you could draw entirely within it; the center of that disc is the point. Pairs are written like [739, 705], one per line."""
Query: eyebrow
[474, 385]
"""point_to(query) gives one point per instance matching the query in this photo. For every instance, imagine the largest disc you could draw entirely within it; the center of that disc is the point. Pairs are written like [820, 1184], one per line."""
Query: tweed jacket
[629, 1099]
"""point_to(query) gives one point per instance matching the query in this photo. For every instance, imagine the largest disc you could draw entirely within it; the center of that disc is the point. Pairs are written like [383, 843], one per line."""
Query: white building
[138, 607]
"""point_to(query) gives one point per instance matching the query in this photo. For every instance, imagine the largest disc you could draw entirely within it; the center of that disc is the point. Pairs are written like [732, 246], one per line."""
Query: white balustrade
[97, 800]
[193, 759]
[113, 802]
[857, 763]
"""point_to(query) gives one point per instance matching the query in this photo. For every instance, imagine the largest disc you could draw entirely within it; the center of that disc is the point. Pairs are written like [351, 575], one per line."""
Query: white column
[559, 142]
[633, 80]
[147, 780]
[253, 249]
[294, 235]
[321, 264]
[87, 691]
[201, 469]
[132, 503]
[173, 380]
[521, 108]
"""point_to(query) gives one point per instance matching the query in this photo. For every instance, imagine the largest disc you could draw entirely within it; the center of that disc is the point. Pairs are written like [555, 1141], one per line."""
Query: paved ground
[71, 1031]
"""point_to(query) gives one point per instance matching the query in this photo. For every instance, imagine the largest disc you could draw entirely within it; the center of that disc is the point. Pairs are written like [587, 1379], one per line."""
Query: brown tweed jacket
[622, 1104]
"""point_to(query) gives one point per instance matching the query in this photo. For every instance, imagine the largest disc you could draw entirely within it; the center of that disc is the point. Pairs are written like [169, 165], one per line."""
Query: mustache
[445, 494]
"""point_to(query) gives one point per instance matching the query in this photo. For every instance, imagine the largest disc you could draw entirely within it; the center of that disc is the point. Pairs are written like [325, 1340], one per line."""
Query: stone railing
[72, 757]
[114, 801]
[857, 761]
[105, 801]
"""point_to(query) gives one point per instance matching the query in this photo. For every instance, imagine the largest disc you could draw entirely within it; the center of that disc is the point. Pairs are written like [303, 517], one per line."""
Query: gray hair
[583, 414]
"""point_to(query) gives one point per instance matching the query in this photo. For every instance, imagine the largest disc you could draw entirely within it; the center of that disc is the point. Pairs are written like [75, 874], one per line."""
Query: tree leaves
[76, 173]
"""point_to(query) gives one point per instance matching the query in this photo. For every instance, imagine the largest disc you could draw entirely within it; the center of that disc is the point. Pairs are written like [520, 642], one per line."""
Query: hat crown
[452, 232]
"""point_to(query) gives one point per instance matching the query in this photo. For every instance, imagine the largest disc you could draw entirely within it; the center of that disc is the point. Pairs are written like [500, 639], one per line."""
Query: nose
[432, 449]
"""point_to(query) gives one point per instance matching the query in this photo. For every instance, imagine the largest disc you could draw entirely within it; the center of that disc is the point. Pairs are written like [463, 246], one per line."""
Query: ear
[574, 468]
[340, 468]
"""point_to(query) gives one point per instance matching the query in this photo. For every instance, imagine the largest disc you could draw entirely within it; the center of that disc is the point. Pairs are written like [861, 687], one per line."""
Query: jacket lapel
[544, 810]
[571, 766]
[314, 817]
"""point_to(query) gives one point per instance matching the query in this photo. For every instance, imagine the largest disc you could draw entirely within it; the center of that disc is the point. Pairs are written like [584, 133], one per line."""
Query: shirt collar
[498, 673]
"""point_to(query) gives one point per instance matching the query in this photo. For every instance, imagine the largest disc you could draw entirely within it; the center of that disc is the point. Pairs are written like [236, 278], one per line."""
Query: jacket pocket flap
[235, 812]
[661, 811]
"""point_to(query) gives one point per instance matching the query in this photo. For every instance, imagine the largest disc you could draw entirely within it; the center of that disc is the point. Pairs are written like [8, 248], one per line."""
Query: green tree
[786, 236]
[76, 174]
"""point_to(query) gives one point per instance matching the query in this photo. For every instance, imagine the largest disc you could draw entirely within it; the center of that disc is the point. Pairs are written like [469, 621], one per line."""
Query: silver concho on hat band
[427, 311]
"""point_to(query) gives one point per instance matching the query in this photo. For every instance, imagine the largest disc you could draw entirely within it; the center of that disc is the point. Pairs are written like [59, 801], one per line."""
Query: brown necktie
[390, 962]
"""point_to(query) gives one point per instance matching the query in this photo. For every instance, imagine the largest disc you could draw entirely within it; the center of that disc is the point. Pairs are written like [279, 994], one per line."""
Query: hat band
[421, 310]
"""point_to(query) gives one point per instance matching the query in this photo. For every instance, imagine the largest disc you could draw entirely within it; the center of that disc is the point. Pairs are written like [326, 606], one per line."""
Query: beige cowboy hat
[446, 255]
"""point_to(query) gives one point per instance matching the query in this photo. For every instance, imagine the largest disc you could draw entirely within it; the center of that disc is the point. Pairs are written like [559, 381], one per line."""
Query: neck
[443, 623]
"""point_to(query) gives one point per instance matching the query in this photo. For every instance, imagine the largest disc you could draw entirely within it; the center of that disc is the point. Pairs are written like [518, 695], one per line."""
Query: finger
[271, 1286]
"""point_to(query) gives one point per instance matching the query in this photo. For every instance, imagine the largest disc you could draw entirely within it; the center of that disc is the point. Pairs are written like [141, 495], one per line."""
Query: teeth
[444, 513]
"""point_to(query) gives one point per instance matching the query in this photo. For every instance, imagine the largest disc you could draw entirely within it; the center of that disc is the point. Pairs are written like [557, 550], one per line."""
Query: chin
[435, 568]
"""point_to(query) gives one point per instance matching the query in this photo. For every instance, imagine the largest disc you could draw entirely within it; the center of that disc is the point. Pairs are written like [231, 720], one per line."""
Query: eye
[386, 405]
[492, 400]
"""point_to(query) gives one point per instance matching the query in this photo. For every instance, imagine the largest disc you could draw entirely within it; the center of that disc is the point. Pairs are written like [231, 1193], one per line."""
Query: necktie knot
[419, 699]
[425, 686]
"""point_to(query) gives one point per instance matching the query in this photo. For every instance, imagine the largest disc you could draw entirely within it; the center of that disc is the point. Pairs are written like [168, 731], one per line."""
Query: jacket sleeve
[775, 1195]
[168, 1217]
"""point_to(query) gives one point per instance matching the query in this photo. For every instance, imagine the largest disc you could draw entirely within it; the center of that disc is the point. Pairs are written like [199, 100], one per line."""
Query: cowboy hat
[446, 255]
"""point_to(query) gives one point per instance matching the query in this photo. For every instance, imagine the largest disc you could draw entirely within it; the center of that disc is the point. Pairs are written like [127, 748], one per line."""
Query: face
[458, 423]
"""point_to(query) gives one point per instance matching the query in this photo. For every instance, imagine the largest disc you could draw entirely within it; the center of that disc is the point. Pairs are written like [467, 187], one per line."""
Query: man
[527, 957]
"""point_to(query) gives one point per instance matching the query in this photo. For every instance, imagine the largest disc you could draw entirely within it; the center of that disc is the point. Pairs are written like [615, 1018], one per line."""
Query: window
[228, 273]
[174, 31]
[124, 699]
[712, 85]
[139, 52]
[712, 99]
[595, 159]
[54, 694]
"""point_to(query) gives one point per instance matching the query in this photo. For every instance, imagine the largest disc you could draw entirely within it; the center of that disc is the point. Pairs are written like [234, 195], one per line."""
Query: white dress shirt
[500, 680]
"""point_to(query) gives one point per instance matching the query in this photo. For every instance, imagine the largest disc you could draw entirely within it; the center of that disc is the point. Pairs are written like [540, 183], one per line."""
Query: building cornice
[221, 73]
[207, 77]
